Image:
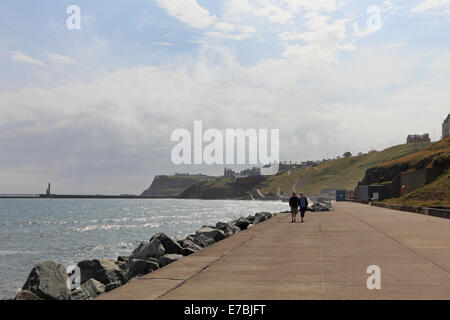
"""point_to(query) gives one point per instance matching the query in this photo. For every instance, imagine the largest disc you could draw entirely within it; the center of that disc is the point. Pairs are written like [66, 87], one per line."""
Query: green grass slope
[336, 174]
[436, 193]
[172, 185]
[219, 188]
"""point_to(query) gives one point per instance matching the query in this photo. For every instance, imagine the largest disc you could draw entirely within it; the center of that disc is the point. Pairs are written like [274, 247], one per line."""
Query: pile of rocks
[50, 281]
[320, 206]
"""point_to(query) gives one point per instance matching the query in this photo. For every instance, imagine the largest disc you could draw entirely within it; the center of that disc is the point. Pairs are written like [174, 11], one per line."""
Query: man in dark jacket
[293, 203]
[303, 202]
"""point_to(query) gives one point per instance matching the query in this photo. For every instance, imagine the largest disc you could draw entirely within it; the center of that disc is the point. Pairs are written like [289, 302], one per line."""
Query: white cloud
[275, 14]
[367, 98]
[189, 12]
[60, 59]
[194, 15]
[122, 121]
[270, 10]
[163, 44]
[281, 12]
[231, 31]
[312, 5]
[362, 33]
[22, 57]
[321, 40]
[427, 5]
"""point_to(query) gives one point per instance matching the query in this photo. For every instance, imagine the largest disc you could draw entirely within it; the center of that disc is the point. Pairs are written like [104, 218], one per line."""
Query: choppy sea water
[70, 230]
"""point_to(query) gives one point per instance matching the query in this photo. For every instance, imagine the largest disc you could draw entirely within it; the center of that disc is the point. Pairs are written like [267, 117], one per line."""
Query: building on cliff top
[412, 138]
[446, 127]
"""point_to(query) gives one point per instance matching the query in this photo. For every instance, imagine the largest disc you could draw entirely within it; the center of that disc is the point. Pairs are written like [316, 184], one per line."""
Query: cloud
[427, 5]
[111, 131]
[60, 59]
[312, 5]
[231, 31]
[22, 57]
[279, 12]
[189, 12]
[321, 40]
[270, 10]
[275, 14]
[363, 33]
[163, 44]
[194, 15]
[120, 122]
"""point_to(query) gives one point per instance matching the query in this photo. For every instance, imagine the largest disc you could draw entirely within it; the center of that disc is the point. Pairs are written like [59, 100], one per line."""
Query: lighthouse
[48, 192]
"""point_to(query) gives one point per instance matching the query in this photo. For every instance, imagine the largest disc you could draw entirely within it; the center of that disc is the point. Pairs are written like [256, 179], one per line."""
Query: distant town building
[270, 169]
[251, 172]
[228, 173]
[446, 127]
[347, 154]
[412, 138]
[286, 166]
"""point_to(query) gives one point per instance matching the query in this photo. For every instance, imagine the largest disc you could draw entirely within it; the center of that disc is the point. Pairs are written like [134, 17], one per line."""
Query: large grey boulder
[170, 245]
[93, 288]
[261, 216]
[48, 280]
[203, 240]
[242, 223]
[228, 228]
[189, 243]
[215, 234]
[105, 271]
[149, 249]
[123, 258]
[320, 206]
[26, 295]
[187, 251]
[137, 267]
[189, 246]
[111, 286]
[89, 290]
[168, 259]
[234, 227]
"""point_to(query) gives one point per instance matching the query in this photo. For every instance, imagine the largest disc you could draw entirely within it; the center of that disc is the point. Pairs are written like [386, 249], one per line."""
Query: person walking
[293, 203]
[303, 202]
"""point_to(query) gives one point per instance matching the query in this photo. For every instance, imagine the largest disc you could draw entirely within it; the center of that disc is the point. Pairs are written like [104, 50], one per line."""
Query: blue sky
[92, 110]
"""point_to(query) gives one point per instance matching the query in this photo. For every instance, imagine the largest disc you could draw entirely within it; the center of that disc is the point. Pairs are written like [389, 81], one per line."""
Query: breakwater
[72, 230]
[79, 196]
[49, 280]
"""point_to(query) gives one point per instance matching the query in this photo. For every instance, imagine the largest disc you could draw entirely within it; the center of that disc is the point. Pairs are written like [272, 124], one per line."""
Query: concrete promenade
[324, 258]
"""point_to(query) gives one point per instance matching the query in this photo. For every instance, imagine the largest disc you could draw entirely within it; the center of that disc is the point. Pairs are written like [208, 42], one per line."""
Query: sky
[92, 109]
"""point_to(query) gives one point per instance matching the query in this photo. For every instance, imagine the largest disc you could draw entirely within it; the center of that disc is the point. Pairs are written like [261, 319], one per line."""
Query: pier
[76, 196]
[19, 196]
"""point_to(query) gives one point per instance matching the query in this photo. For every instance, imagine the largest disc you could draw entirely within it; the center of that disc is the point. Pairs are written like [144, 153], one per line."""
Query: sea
[71, 230]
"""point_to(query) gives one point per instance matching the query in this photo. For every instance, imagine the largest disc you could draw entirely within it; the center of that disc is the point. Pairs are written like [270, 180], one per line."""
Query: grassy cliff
[342, 173]
[219, 188]
[172, 185]
[436, 193]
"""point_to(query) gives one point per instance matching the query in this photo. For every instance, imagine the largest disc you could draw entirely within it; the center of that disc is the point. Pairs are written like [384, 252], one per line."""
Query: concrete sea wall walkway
[324, 258]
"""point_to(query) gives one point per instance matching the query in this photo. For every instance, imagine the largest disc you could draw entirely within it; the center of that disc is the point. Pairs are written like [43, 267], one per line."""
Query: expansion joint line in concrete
[322, 278]
[398, 242]
[206, 267]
